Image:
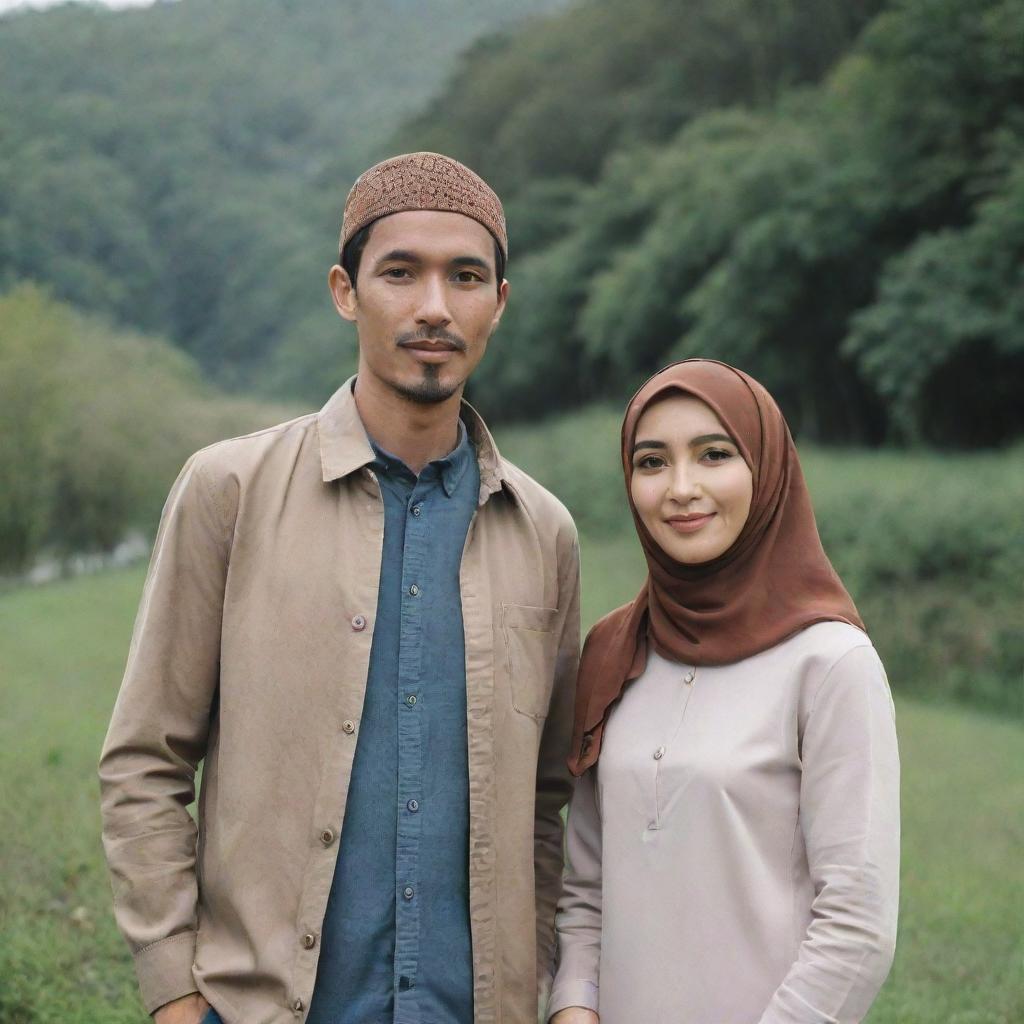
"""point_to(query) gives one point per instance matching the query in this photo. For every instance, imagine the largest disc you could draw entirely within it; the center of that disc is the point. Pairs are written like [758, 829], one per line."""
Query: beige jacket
[251, 650]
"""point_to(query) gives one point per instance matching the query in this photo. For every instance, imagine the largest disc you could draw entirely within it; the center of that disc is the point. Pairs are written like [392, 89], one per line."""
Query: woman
[734, 836]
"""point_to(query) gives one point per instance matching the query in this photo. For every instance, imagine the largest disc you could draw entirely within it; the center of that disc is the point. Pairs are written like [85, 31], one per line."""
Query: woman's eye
[716, 455]
[650, 462]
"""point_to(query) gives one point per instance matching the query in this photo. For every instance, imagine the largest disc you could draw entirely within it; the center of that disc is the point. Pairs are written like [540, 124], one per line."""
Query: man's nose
[433, 307]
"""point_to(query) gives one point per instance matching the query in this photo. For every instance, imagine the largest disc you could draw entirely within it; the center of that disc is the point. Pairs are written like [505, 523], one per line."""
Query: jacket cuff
[572, 992]
[164, 969]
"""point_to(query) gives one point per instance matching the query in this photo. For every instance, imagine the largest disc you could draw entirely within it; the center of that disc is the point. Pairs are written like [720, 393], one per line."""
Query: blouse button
[659, 753]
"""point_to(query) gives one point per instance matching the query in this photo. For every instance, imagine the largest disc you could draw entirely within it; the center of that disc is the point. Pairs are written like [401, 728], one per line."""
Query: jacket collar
[344, 446]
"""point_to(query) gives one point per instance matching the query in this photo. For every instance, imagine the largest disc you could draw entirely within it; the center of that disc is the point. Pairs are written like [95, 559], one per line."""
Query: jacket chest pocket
[531, 646]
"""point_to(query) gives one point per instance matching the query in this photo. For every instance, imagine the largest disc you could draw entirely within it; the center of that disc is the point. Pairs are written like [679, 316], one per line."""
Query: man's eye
[396, 273]
[467, 277]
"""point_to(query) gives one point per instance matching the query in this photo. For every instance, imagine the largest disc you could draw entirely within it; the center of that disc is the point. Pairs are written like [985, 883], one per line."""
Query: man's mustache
[431, 334]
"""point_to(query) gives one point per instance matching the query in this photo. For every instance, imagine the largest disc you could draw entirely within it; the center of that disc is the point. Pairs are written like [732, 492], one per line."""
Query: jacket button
[308, 940]
[297, 1006]
[348, 727]
[327, 836]
[359, 623]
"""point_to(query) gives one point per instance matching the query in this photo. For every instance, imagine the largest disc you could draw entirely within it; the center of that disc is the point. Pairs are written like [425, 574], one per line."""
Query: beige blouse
[734, 856]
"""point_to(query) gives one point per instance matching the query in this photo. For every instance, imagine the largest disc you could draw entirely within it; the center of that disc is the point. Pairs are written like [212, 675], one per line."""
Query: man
[367, 623]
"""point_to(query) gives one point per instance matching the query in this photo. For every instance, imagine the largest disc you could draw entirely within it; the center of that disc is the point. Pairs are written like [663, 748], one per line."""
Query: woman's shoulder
[829, 639]
[822, 651]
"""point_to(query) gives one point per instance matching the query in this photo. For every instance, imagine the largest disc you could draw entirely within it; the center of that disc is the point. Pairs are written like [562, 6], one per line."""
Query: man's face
[425, 302]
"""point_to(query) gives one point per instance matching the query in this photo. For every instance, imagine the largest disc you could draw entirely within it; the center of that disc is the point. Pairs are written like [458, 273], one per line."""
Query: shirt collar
[451, 467]
[344, 446]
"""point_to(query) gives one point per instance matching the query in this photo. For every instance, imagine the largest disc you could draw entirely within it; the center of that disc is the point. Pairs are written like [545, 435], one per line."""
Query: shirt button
[414, 590]
[297, 1006]
[411, 699]
[308, 940]
[413, 805]
[659, 753]
[417, 510]
[327, 836]
[358, 623]
[408, 892]
[348, 727]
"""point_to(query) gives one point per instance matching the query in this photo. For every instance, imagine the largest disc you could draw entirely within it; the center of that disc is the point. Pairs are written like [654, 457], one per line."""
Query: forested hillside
[182, 168]
[829, 194]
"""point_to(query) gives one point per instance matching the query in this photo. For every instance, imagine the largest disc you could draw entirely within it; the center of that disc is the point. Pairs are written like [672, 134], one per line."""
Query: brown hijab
[772, 582]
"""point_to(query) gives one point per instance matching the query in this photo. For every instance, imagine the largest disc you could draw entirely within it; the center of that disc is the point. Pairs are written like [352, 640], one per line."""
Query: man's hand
[190, 1009]
[575, 1015]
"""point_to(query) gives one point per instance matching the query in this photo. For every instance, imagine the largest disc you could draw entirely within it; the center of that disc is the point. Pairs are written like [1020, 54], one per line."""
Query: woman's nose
[683, 484]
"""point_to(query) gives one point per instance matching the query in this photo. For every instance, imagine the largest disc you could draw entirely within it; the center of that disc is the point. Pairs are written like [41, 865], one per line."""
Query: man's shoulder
[241, 456]
[539, 502]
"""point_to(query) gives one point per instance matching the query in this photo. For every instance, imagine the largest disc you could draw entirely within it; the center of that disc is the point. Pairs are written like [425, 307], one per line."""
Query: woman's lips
[689, 524]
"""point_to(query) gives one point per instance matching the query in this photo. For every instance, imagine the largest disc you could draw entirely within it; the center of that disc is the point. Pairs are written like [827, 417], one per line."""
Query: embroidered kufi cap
[422, 181]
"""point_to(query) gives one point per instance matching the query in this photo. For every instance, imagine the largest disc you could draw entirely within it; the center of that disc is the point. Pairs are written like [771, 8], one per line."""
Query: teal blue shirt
[396, 944]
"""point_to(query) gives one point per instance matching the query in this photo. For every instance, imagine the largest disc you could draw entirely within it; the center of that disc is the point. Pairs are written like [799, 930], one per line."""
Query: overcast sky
[9, 5]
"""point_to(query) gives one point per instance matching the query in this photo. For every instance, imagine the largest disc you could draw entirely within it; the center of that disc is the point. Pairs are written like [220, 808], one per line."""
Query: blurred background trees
[829, 194]
[96, 421]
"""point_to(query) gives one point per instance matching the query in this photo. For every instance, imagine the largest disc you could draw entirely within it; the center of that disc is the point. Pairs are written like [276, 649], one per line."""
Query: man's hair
[352, 255]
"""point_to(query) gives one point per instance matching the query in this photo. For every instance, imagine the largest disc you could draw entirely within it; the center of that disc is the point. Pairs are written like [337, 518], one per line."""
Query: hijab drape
[773, 581]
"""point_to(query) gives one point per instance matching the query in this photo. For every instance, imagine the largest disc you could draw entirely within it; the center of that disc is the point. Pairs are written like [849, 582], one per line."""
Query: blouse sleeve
[578, 919]
[849, 815]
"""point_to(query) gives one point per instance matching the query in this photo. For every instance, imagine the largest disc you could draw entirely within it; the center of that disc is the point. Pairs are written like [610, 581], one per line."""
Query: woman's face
[690, 485]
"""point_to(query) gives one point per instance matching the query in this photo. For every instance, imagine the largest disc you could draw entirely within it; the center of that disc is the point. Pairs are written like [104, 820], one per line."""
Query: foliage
[928, 545]
[182, 168]
[855, 244]
[96, 424]
[554, 97]
[944, 340]
[827, 194]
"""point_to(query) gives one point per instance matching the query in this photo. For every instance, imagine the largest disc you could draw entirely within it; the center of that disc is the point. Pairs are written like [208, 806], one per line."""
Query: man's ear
[502, 300]
[343, 292]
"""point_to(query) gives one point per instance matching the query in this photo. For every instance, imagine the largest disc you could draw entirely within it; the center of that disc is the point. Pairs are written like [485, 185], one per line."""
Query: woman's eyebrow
[648, 444]
[704, 438]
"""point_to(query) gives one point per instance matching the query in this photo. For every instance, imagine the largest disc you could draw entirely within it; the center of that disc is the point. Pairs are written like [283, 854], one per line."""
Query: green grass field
[62, 649]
